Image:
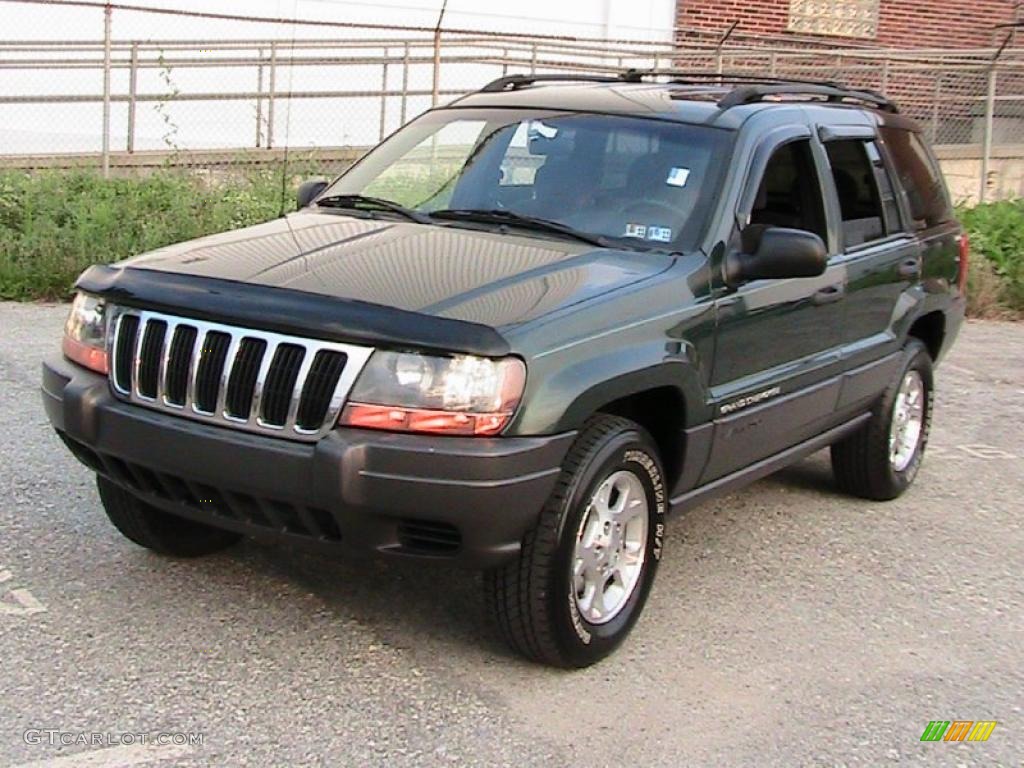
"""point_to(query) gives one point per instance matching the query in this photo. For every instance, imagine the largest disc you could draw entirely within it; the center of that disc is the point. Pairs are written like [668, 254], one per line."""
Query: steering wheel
[649, 203]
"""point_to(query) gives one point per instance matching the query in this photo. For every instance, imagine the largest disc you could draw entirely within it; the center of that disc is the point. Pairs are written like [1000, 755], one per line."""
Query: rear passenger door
[881, 258]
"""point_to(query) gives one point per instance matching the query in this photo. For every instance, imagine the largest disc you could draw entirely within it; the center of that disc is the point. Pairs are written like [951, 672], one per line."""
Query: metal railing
[217, 102]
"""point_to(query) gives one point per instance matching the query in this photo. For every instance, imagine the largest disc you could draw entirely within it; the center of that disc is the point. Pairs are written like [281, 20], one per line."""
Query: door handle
[910, 268]
[829, 295]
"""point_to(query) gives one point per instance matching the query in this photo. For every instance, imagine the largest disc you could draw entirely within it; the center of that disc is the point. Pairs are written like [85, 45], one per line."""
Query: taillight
[965, 258]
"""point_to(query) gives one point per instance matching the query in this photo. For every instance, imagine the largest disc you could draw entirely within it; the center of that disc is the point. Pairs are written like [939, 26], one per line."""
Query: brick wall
[901, 23]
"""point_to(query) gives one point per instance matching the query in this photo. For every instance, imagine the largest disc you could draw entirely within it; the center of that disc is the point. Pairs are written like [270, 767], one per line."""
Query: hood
[482, 277]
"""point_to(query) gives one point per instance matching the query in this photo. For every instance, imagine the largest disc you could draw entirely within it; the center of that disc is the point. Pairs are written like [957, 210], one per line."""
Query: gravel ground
[789, 626]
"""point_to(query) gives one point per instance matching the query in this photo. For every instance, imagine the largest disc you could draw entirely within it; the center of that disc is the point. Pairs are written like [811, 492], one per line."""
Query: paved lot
[789, 625]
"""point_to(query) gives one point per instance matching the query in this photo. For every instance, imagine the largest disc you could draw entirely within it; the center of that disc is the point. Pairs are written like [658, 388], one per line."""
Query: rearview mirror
[779, 253]
[309, 191]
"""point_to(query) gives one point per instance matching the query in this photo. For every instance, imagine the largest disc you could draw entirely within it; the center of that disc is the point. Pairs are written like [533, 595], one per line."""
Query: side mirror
[780, 253]
[309, 191]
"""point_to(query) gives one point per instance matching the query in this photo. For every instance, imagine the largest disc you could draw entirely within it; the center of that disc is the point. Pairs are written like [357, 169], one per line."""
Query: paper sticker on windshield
[661, 234]
[636, 230]
[677, 177]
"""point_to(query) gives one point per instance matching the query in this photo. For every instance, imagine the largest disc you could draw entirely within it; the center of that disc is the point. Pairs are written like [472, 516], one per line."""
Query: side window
[857, 189]
[789, 194]
[920, 177]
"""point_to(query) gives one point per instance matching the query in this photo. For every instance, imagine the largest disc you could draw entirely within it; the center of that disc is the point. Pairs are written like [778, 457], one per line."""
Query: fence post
[405, 80]
[259, 97]
[533, 58]
[133, 83]
[886, 65]
[986, 152]
[107, 12]
[270, 95]
[384, 94]
[436, 90]
[437, 54]
[936, 96]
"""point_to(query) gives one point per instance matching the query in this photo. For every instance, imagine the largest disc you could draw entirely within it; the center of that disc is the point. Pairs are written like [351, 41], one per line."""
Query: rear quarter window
[920, 177]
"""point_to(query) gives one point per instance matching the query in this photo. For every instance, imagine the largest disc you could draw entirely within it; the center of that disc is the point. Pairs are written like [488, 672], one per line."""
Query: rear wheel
[157, 530]
[586, 568]
[881, 459]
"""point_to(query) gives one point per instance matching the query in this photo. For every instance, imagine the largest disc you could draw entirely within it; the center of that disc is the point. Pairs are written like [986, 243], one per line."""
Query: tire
[539, 604]
[863, 463]
[157, 530]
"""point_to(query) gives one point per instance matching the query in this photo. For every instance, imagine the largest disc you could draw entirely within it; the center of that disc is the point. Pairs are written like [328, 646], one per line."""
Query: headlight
[461, 395]
[85, 333]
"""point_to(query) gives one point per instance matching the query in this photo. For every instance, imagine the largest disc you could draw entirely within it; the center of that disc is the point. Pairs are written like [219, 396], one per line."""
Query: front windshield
[638, 182]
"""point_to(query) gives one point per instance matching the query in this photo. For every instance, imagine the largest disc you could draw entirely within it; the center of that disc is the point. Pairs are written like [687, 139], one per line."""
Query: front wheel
[586, 568]
[881, 459]
[157, 530]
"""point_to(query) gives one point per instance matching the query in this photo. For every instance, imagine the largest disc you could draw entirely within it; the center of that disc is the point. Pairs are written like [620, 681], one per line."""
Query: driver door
[775, 381]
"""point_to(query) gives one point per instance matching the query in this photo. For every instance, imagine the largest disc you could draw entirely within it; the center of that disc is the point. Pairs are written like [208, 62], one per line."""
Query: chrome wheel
[611, 545]
[907, 421]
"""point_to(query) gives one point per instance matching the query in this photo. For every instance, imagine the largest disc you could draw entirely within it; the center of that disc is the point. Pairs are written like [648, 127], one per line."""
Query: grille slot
[277, 392]
[150, 354]
[179, 361]
[320, 385]
[209, 370]
[243, 377]
[124, 353]
[230, 376]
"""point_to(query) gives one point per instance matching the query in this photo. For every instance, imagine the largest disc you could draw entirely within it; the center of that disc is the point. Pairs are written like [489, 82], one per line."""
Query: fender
[571, 393]
[678, 375]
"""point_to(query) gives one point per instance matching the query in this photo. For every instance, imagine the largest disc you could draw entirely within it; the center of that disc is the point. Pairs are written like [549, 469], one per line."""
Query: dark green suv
[525, 328]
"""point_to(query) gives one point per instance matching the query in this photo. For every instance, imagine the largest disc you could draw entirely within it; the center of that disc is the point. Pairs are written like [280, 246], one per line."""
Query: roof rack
[689, 77]
[835, 94]
[747, 89]
[511, 82]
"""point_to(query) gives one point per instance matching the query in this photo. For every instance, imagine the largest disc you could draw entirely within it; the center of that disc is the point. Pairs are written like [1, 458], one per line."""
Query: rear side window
[887, 195]
[920, 177]
[857, 188]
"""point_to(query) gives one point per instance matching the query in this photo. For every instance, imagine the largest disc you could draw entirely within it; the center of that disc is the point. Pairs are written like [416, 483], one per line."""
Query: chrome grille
[257, 381]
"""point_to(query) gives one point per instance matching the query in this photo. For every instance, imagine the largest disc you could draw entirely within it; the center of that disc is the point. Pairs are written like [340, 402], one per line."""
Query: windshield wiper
[365, 203]
[512, 219]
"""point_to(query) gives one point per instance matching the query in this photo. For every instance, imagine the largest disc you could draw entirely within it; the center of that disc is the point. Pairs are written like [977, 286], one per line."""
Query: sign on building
[844, 18]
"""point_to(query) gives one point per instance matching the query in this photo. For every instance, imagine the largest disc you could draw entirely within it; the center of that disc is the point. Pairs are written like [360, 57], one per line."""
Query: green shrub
[997, 236]
[55, 224]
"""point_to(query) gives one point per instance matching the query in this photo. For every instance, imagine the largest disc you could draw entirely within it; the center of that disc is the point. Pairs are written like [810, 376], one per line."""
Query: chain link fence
[237, 96]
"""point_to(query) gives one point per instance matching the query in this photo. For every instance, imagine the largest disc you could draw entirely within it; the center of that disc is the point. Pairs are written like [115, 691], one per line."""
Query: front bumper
[467, 500]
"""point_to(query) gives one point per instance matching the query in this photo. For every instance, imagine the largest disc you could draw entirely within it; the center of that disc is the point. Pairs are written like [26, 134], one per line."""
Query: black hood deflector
[288, 311]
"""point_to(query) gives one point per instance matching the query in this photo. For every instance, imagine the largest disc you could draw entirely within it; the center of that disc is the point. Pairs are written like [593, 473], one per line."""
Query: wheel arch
[930, 329]
[663, 399]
